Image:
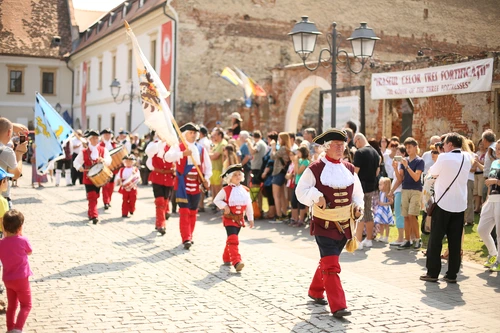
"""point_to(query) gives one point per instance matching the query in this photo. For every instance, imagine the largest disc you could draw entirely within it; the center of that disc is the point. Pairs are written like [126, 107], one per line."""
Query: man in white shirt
[450, 191]
[333, 190]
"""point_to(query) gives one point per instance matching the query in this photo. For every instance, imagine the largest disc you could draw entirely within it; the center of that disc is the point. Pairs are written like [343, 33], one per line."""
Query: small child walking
[235, 200]
[383, 213]
[128, 178]
[14, 252]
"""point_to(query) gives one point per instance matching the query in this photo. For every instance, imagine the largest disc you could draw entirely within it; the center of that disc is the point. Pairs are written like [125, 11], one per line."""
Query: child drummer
[235, 200]
[91, 155]
[128, 188]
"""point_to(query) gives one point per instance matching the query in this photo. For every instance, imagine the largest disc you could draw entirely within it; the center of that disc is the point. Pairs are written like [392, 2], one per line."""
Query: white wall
[19, 107]
[100, 102]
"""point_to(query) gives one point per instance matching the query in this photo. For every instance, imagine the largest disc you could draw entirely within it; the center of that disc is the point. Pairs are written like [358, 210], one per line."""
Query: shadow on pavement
[89, 269]
[212, 279]
[138, 240]
[401, 257]
[320, 320]
[491, 279]
[26, 200]
[442, 295]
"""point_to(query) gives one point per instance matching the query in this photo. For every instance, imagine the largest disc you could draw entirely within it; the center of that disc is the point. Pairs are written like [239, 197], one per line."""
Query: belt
[235, 218]
[163, 171]
[342, 218]
[478, 173]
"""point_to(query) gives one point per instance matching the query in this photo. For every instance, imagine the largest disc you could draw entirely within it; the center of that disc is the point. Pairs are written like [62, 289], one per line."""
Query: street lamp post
[115, 91]
[304, 35]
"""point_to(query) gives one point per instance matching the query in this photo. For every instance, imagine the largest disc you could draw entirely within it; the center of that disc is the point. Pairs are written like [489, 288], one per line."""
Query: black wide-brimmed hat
[330, 135]
[106, 131]
[232, 168]
[129, 157]
[123, 132]
[189, 127]
[91, 132]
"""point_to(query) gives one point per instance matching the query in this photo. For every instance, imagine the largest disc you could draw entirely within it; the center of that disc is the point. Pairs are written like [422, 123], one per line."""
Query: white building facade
[105, 53]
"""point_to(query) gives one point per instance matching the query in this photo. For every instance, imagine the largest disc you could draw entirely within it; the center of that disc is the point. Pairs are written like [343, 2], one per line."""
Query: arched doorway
[299, 97]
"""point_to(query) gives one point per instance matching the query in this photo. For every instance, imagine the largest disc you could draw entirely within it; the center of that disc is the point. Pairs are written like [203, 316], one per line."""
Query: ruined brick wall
[252, 35]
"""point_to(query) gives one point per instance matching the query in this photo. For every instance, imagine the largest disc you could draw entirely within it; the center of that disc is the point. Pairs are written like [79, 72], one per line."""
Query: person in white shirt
[451, 171]
[188, 191]
[88, 157]
[427, 156]
[389, 154]
[76, 147]
[333, 190]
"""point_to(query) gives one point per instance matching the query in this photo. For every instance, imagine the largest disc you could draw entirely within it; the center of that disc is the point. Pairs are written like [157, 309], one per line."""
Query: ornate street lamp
[304, 35]
[115, 91]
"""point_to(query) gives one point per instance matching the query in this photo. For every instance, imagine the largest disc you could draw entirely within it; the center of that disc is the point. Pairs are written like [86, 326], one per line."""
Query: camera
[22, 138]
[438, 145]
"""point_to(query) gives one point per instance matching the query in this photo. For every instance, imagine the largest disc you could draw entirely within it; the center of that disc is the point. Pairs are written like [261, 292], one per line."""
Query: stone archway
[299, 97]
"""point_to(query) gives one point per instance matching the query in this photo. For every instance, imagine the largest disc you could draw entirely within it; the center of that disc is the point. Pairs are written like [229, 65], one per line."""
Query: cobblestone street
[121, 276]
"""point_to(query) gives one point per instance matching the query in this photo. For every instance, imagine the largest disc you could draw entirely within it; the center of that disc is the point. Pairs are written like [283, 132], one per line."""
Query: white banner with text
[462, 78]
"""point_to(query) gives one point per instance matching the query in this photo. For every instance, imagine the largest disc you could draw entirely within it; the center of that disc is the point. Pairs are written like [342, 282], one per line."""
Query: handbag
[431, 204]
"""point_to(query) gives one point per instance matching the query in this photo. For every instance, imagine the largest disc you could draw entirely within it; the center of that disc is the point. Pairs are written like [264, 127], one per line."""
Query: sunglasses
[393, 146]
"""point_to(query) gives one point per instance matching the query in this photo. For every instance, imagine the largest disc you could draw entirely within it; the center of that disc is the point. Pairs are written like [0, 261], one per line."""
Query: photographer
[11, 159]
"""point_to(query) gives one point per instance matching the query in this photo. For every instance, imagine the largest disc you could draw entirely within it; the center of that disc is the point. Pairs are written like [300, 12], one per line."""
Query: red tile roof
[99, 30]
[27, 28]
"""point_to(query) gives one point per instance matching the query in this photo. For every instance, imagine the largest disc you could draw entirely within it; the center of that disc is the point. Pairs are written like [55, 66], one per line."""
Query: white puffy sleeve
[307, 194]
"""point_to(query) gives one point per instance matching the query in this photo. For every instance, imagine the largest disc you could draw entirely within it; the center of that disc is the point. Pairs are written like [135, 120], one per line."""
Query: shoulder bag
[431, 204]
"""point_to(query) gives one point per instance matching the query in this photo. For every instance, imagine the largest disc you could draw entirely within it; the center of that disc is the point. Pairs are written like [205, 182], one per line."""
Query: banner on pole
[462, 78]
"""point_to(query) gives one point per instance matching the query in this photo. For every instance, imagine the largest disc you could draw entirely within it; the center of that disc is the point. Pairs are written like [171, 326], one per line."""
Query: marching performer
[66, 164]
[235, 200]
[333, 190]
[162, 177]
[94, 153]
[124, 140]
[108, 189]
[188, 182]
[128, 177]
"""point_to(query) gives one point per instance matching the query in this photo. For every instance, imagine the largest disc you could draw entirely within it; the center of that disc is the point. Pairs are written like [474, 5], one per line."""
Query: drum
[99, 174]
[131, 181]
[117, 155]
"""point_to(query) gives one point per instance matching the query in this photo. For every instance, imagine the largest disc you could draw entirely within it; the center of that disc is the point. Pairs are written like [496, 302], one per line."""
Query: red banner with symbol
[166, 56]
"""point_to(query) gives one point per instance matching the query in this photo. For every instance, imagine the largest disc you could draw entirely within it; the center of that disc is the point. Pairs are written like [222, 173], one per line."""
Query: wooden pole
[185, 144]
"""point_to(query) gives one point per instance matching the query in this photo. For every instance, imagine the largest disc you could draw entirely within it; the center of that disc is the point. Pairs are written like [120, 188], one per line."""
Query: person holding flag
[108, 189]
[162, 177]
[188, 157]
[93, 154]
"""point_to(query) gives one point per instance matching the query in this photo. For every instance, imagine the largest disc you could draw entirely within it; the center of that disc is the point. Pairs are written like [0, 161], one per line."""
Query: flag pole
[127, 27]
[185, 144]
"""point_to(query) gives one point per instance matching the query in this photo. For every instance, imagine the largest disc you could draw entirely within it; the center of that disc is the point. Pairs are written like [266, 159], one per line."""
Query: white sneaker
[368, 243]
[360, 246]
[384, 240]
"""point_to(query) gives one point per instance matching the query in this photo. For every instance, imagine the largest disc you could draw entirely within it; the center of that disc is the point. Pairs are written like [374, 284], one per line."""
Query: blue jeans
[400, 220]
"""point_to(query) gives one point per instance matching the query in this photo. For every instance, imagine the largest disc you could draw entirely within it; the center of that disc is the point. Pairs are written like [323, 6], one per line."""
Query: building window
[113, 68]
[99, 84]
[77, 83]
[141, 3]
[99, 123]
[129, 76]
[153, 54]
[48, 83]
[48, 80]
[110, 20]
[16, 79]
[113, 123]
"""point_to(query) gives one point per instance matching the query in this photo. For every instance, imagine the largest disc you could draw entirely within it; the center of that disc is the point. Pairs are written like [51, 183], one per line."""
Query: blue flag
[48, 148]
[58, 125]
